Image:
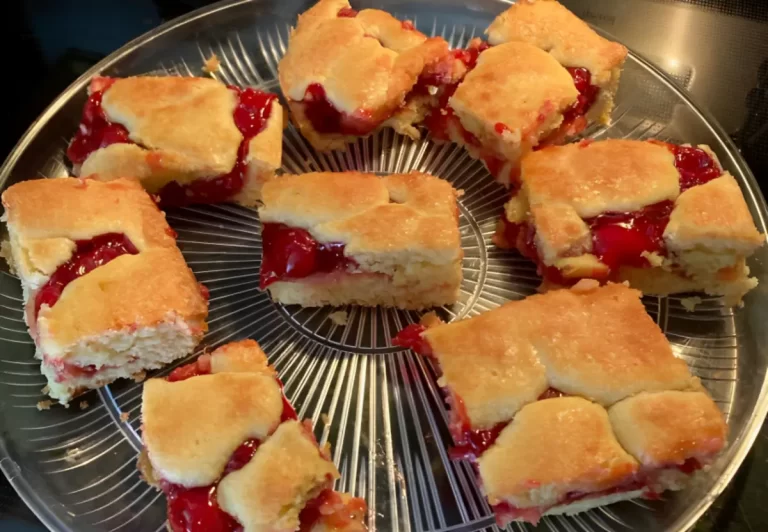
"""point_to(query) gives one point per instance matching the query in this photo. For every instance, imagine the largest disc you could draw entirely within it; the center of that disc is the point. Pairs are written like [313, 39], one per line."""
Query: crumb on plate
[83, 405]
[689, 303]
[44, 405]
[340, 317]
[211, 65]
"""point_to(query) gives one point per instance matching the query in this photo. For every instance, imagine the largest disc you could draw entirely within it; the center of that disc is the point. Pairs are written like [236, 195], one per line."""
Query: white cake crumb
[340, 317]
[689, 303]
[83, 405]
[124, 416]
[44, 405]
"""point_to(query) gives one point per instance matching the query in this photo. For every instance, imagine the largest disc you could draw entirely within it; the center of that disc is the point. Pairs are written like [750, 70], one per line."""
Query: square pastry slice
[590, 341]
[588, 376]
[513, 97]
[188, 140]
[353, 238]
[107, 292]
[666, 218]
[223, 444]
[594, 62]
[348, 73]
[558, 456]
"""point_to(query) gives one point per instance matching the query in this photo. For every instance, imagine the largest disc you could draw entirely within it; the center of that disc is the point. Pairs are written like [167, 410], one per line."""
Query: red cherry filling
[95, 131]
[326, 119]
[88, 255]
[696, 166]
[441, 118]
[410, 338]
[587, 93]
[292, 253]
[196, 509]
[621, 239]
[347, 12]
[551, 393]
[250, 115]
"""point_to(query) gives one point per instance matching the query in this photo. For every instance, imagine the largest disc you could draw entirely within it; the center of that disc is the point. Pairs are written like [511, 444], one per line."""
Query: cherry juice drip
[410, 338]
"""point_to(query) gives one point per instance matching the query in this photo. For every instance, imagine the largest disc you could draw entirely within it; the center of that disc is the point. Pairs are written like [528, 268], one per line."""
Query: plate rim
[741, 445]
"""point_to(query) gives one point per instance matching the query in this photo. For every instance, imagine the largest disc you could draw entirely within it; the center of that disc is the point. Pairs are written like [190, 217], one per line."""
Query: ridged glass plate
[376, 404]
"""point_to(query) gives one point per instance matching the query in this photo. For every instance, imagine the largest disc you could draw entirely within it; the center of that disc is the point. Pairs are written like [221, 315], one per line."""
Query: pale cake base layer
[158, 347]
[365, 290]
[666, 480]
[584, 505]
[657, 281]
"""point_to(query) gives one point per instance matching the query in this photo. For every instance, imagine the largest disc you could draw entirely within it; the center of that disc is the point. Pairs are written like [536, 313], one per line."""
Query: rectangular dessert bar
[107, 292]
[545, 391]
[666, 218]
[594, 62]
[242, 460]
[348, 73]
[354, 238]
[188, 140]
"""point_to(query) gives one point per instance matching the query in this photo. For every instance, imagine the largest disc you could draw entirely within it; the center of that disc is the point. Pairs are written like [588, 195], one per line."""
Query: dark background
[717, 49]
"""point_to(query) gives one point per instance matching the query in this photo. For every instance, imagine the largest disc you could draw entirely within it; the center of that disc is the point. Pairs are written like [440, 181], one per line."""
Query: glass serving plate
[377, 405]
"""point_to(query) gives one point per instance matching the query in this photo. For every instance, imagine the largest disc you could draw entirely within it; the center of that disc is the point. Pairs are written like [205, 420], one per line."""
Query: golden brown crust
[407, 216]
[187, 117]
[554, 447]
[181, 418]
[126, 294]
[595, 342]
[601, 344]
[598, 177]
[667, 428]
[307, 200]
[488, 362]
[713, 216]
[244, 356]
[79, 209]
[269, 492]
[518, 86]
[551, 27]
[366, 64]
